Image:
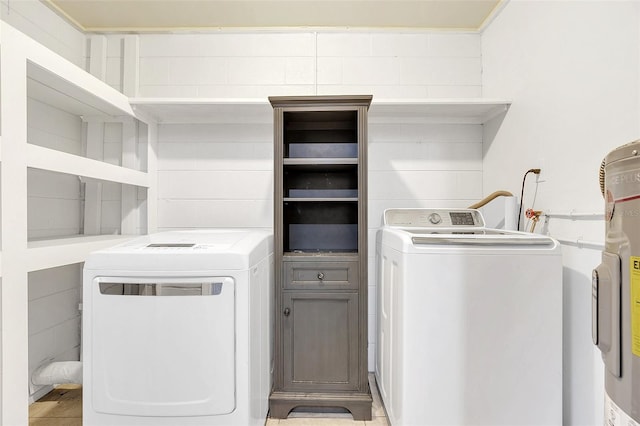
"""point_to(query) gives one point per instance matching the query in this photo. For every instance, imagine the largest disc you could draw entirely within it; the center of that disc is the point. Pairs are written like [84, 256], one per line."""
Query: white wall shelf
[44, 254]
[203, 110]
[56, 161]
[58, 82]
[472, 110]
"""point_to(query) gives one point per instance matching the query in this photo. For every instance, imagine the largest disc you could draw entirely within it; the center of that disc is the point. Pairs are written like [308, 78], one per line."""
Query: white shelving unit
[28, 69]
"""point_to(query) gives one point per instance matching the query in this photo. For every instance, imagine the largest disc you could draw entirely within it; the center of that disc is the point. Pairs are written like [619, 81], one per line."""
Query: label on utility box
[634, 295]
[614, 416]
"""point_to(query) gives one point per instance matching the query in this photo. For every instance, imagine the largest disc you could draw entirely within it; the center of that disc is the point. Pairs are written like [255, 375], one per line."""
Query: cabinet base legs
[359, 404]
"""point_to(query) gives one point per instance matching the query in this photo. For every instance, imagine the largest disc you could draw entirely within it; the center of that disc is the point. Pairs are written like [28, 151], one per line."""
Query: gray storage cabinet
[320, 237]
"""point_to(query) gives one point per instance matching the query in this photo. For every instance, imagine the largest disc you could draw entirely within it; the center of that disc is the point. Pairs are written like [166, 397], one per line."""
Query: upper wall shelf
[54, 80]
[203, 110]
[474, 110]
[75, 99]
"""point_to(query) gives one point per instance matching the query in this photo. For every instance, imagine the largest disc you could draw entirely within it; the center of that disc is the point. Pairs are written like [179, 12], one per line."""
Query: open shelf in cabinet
[323, 181]
[320, 173]
[320, 134]
[320, 226]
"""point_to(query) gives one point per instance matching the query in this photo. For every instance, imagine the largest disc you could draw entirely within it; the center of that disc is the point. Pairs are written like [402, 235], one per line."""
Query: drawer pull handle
[321, 276]
[286, 312]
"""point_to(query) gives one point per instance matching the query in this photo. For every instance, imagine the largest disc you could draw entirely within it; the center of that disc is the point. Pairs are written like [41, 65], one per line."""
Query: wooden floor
[63, 407]
[60, 407]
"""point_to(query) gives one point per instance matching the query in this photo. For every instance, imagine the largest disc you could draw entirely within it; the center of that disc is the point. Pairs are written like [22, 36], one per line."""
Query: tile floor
[63, 407]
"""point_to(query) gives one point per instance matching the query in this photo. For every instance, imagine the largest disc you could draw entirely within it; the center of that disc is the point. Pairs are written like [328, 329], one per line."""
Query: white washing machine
[177, 331]
[469, 321]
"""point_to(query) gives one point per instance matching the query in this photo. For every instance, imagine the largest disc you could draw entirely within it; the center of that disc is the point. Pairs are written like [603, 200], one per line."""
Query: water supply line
[534, 215]
[524, 178]
[486, 200]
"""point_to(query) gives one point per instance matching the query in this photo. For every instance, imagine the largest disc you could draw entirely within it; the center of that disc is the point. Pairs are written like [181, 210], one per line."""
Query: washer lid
[452, 229]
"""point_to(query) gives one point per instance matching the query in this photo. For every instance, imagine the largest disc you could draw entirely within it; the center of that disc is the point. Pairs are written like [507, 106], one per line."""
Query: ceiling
[184, 15]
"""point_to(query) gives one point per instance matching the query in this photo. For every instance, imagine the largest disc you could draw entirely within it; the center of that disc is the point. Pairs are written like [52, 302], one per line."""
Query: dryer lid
[192, 250]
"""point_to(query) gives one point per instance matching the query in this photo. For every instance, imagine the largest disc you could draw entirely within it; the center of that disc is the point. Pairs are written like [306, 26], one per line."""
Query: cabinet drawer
[321, 275]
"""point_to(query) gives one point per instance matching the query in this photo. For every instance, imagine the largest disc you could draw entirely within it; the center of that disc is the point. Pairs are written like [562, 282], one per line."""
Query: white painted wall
[572, 71]
[215, 175]
[261, 64]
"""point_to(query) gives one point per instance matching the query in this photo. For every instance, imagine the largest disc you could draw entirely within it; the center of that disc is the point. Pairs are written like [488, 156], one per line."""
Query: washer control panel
[433, 218]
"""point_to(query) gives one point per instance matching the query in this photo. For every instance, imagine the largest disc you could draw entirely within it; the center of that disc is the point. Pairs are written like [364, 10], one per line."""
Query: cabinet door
[320, 341]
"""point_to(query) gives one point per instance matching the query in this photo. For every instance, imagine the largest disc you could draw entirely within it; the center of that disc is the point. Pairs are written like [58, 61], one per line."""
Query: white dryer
[176, 330]
[469, 321]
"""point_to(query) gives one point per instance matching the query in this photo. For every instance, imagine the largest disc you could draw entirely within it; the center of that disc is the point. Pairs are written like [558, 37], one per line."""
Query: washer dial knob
[435, 218]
